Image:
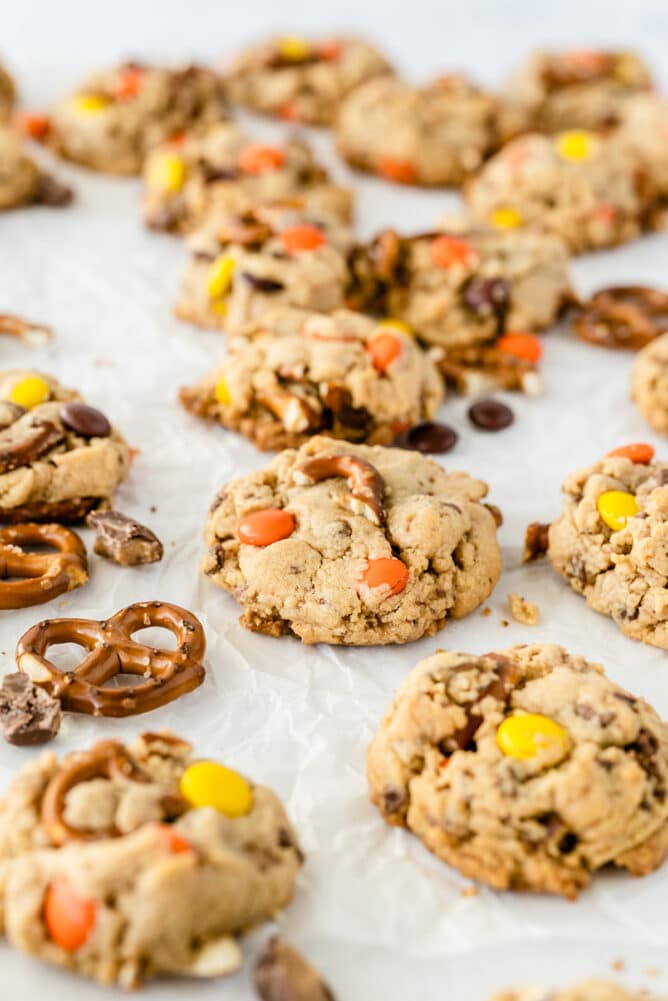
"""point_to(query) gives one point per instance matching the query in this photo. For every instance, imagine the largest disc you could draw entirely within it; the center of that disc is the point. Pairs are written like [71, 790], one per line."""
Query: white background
[383, 919]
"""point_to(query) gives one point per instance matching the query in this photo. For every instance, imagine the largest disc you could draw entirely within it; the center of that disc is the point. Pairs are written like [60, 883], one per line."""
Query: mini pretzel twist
[366, 483]
[32, 578]
[623, 316]
[35, 334]
[166, 674]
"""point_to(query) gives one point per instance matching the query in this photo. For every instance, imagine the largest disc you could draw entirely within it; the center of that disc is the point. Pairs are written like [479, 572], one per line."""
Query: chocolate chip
[28, 714]
[487, 295]
[123, 540]
[428, 438]
[85, 420]
[490, 415]
[282, 974]
[262, 284]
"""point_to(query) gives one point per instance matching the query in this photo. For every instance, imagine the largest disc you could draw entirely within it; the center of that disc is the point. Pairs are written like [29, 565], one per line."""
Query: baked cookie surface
[643, 128]
[586, 189]
[296, 374]
[223, 169]
[59, 458]
[434, 135]
[300, 79]
[526, 769]
[7, 94]
[352, 544]
[649, 384]
[117, 115]
[124, 863]
[22, 180]
[589, 990]
[609, 542]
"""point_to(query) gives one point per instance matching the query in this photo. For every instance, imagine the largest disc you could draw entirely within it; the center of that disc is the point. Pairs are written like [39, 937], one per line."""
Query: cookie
[300, 79]
[59, 458]
[351, 544]
[242, 265]
[22, 181]
[587, 189]
[434, 135]
[7, 94]
[643, 128]
[126, 863]
[608, 542]
[223, 169]
[590, 990]
[575, 89]
[117, 115]
[649, 384]
[526, 769]
[296, 374]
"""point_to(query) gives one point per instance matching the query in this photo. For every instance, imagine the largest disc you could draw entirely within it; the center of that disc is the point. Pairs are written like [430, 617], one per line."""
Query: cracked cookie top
[526, 769]
[351, 544]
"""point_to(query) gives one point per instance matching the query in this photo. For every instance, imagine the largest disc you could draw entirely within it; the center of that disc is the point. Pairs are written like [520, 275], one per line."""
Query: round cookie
[223, 169]
[123, 864]
[585, 188]
[302, 80]
[434, 135]
[351, 544]
[644, 129]
[526, 769]
[609, 541]
[296, 374]
[589, 990]
[59, 458]
[649, 383]
[575, 89]
[7, 94]
[22, 182]
[116, 116]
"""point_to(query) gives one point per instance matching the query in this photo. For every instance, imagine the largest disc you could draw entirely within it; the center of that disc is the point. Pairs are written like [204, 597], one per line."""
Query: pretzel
[34, 334]
[166, 674]
[108, 759]
[623, 316]
[366, 483]
[32, 578]
[292, 410]
[41, 438]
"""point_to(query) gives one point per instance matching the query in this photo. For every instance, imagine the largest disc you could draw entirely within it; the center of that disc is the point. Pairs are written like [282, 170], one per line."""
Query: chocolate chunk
[85, 420]
[536, 541]
[282, 974]
[487, 295]
[428, 438]
[490, 415]
[28, 714]
[262, 284]
[123, 540]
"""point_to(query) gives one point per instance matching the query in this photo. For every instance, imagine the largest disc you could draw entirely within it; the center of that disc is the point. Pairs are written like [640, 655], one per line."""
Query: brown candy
[490, 415]
[623, 316]
[165, 674]
[282, 974]
[28, 715]
[85, 421]
[428, 438]
[366, 483]
[32, 578]
[123, 540]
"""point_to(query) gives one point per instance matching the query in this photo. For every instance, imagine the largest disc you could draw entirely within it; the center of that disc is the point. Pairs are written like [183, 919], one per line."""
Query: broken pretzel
[365, 482]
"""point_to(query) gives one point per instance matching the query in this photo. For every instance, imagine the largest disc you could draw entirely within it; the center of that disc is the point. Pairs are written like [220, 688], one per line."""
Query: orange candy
[638, 452]
[522, 345]
[447, 251]
[387, 570]
[130, 83]
[32, 125]
[69, 918]
[171, 840]
[330, 51]
[302, 237]
[289, 112]
[394, 169]
[384, 348]
[255, 158]
[262, 528]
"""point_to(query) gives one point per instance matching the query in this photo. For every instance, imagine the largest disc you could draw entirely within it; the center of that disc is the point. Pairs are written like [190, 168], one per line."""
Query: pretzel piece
[24, 451]
[112, 651]
[366, 483]
[623, 316]
[35, 334]
[32, 578]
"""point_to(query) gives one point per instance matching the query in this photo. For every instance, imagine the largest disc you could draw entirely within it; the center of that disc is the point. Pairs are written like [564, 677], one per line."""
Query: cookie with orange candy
[526, 769]
[609, 541]
[353, 544]
[296, 374]
[23, 181]
[123, 863]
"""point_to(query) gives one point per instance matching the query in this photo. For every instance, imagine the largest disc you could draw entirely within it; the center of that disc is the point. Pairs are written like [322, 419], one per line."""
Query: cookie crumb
[535, 541]
[470, 891]
[652, 971]
[486, 612]
[523, 611]
[618, 965]
[504, 623]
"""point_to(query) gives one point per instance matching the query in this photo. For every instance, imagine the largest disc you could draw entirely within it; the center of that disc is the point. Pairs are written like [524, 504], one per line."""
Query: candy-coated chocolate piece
[262, 528]
[616, 507]
[505, 218]
[384, 349]
[529, 734]
[220, 277]
[639, 452]
[386, 571]
[30, 392]
[69, 918]
[167, 173]
[206, 783]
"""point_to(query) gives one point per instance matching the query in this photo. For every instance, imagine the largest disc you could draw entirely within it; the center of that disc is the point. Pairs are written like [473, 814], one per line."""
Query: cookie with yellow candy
[526, 769]
[183, 854]
[609, 540]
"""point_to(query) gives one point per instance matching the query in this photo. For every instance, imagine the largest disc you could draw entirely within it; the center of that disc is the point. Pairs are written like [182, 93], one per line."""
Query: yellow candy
[575, 145]
[531, 734]
[206, 783]
[294, 49]
[505, 218]
[220, 276]
[392, 324]
[30, 392]
[615, 506]
[166, 173]
[89, 104]
[222, 392]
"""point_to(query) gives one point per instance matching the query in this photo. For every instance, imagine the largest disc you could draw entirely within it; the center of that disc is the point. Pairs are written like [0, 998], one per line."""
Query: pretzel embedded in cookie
[623, 316]
[167, 674]
[24, 451]
[366, 483]
[32, 578]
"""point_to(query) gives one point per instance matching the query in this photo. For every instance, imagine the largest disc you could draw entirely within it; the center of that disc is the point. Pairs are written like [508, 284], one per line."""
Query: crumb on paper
[618, 965]
[470, 891]
[104, 363]
[487, 611]
[523, 611]
[504, 623]
[652, 971]
[535, 541]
